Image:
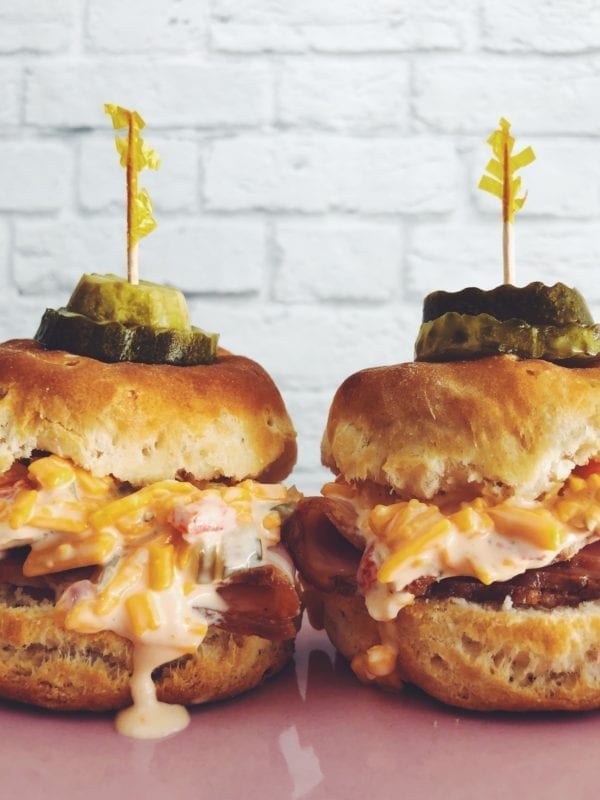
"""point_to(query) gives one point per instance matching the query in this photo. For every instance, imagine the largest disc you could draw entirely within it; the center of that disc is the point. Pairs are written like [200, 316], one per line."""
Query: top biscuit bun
[144, 422]
[510, 426]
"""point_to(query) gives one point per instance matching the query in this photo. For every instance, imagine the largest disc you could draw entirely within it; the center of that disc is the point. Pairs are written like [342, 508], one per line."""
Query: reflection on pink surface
[312, 732]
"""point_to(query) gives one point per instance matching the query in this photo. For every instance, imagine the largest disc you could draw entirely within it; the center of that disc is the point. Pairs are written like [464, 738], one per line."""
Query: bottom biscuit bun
[482, 657]
[43, 664]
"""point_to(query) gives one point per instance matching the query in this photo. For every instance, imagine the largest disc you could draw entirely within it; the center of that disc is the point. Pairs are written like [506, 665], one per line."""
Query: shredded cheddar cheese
[128, 575]
[143, 613]
[22, 508]
[54, 553]
[51, 472]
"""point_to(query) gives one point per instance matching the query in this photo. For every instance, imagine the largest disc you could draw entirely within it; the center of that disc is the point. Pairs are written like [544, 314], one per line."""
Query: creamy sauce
[148, 718]
[379, 663]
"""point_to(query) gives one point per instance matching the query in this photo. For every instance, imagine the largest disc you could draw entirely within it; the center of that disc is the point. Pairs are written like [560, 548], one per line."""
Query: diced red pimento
[367, 570]
[18, 472]
[585, 470]
[80, 590]
[13, 479]
[208, 514]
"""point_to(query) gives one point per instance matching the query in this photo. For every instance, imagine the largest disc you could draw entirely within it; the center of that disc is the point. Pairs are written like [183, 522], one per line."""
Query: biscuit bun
[144, 422]
[423, 428]
[481, 656]
[46, 665]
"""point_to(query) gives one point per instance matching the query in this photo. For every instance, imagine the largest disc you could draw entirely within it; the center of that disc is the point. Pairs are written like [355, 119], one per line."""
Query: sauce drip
[148, 717]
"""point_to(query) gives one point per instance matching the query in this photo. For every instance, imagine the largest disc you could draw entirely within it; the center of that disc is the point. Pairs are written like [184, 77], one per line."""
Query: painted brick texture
[319, 165]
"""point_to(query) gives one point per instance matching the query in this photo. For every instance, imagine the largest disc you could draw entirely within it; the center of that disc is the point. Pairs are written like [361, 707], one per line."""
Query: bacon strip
[324, 557]
[260, 602]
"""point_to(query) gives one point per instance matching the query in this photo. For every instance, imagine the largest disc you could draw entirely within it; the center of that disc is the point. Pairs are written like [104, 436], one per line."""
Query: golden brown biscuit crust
[144, 422]
[45, 665]
[508, 425]
[483, 657]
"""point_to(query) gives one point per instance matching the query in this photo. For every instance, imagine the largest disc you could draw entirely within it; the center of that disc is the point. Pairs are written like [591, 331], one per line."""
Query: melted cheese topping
[482, 538]
[161, 553]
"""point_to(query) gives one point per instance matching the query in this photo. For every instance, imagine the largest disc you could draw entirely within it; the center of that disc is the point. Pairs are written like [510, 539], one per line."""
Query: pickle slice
[111, 341]
[455, 336]
[110, 298]
[535, 303]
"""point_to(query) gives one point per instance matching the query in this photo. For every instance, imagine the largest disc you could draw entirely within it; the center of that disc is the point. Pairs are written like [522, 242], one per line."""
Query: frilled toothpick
[135, 155]
[500, 181]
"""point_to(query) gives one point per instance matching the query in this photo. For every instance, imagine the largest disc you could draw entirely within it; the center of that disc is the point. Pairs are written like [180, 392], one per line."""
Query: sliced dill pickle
[454, 336]
[111, 341]
[107, 298]
[535, 303]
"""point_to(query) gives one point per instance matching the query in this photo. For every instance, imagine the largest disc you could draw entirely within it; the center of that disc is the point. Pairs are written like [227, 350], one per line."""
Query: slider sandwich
[140, 514]
[458, 548]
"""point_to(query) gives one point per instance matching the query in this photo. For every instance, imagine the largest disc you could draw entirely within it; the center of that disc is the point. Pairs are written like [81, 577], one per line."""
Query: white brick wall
[319, 164]
[36, 26]
[323, 260]
[346, 94]
[339, 26]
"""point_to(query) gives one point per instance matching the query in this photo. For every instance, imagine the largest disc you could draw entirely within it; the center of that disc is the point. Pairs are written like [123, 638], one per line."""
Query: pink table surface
[311, 732]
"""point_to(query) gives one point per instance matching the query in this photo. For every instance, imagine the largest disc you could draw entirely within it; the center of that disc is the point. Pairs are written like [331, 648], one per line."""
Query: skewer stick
[133, 273]
[133, 260]
[508, 252]
[508, 260]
